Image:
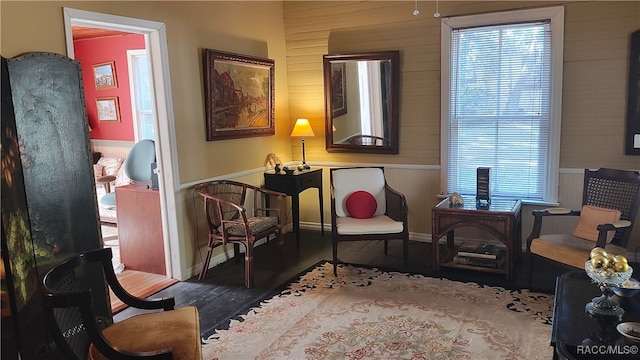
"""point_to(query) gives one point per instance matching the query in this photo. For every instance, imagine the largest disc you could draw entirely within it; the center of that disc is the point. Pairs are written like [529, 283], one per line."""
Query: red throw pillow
[361, 205]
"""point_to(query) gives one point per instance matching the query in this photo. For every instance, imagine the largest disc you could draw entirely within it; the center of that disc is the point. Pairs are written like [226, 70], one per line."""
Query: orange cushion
[567, 249]
[177, 329]
[361, 205]
[590, 218]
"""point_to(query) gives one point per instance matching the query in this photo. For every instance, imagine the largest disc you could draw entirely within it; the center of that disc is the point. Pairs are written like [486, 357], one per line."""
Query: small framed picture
[108, 109]
[104, 75]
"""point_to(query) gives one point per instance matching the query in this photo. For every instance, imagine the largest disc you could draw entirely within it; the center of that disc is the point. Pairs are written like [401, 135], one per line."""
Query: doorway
[156, 43]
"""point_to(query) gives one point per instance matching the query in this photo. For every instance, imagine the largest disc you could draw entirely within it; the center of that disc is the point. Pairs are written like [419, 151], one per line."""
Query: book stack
[480, 254]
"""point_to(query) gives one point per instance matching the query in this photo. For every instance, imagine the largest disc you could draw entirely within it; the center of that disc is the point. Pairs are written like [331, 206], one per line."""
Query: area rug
[371, 314]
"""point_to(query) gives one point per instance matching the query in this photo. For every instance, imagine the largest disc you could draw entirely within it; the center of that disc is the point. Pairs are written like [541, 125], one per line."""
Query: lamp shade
[302, 128]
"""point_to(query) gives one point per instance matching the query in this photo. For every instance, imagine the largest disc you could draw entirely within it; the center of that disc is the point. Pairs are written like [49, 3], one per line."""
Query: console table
[573, 327]
[140, 228]
[292, 185]
[501, 217]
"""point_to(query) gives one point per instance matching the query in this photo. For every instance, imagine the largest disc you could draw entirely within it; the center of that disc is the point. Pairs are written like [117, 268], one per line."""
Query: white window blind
[500, 108]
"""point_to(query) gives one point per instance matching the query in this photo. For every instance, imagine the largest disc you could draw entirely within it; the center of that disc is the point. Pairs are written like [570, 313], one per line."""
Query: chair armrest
[397, 208]
[603, 229]
[106, 182]
[133, 301]
[274, 206]
[106, 179]
[538, 215]
[555, 212]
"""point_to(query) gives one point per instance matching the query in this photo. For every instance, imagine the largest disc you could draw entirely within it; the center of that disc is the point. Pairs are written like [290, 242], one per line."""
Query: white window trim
[556, 16]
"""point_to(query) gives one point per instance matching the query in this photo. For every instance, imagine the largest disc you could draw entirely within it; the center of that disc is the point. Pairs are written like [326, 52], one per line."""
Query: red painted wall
[96, 51]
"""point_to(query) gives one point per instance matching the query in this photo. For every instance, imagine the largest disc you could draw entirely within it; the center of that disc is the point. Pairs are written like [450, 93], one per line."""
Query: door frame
[156, 43]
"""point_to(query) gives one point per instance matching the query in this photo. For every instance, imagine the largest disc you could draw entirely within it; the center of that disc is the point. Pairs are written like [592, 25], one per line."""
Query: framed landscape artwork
[239, 95]
[108, 109]
[104, 75]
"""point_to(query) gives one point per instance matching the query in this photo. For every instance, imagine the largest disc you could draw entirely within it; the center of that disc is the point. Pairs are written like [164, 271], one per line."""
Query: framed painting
[104, 75]
[239, 95]
[108, 109]
[632, 136]
[338, 89]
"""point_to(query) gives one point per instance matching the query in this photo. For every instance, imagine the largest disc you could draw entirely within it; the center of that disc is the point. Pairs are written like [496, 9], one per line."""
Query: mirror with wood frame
[361, 102]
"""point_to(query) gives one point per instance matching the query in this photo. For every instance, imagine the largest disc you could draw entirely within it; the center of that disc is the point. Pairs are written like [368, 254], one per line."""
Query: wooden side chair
[610, 202]
[365, 207]
[80, 333]
[229, 223]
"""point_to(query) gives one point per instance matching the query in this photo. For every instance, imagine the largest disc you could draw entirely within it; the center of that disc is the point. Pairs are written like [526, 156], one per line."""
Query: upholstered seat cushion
[177, 329]
[380, 224]
[256, 225]
[568, 249]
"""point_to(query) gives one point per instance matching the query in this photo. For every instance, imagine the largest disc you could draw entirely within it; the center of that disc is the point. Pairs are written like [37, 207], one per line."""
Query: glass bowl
[607, 277]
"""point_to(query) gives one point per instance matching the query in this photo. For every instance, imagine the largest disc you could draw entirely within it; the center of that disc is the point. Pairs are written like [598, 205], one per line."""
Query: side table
[292, 185]
[577, 334]
[501, 218]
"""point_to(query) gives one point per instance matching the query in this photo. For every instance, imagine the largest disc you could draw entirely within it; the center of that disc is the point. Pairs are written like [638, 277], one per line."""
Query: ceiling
[83, 32]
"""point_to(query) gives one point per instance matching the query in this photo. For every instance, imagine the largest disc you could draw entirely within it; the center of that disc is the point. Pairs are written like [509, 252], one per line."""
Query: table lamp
[303, 129]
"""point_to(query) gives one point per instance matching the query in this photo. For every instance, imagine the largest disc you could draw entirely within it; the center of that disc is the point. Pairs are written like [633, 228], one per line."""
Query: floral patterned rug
[370, 314]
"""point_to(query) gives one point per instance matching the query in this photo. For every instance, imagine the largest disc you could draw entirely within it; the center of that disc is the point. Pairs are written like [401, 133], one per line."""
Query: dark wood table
[575, 332]
[501, 218]
[292, 185]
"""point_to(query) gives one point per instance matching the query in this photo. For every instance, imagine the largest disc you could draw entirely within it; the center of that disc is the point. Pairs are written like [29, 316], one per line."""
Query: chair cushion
[178, 329]
[380, 224]
[361, 205]
[109, 199]
[590, 218]
[256, 225]
[568, 249]
[346, 181]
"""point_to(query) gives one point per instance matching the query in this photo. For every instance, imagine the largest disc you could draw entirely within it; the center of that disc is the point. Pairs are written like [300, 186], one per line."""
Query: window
[501, 102]
[141, 99]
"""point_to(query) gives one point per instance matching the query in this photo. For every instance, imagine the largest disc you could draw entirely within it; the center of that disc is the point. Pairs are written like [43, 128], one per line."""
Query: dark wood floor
[222, 295]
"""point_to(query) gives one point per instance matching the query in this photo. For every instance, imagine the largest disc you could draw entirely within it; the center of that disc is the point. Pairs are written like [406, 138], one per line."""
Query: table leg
[450, 239]
[295, 210]
[436, 251]
[321, 210]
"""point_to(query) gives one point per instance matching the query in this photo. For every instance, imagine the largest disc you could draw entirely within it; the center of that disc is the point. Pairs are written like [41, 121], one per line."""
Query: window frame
[555, 15]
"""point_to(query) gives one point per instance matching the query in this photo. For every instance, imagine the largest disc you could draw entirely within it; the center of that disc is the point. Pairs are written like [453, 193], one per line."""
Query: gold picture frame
[239, 95]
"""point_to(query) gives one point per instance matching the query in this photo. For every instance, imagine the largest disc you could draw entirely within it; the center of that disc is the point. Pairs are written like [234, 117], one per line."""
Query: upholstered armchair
[364, 207]
[160, 333]
[610, 204]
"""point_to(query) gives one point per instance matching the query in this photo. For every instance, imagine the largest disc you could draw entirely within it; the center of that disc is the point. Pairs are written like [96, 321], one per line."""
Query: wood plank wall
[594, 106]
[596, 58]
